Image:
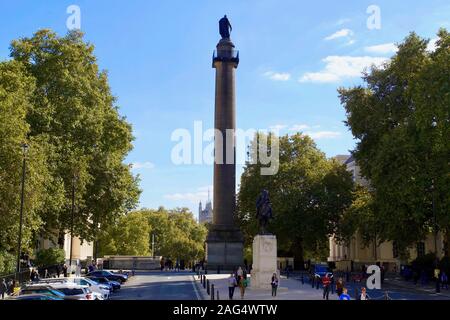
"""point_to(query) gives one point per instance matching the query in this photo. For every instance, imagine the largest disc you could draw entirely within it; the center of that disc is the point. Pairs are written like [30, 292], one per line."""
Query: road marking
[195, 288]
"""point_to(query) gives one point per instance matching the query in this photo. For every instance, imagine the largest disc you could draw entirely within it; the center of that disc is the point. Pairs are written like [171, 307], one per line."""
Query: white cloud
[432, 44]
[277, 127]
[324, 135]
[384, 48]
[350, 42]
[278, 76]
[339, 34]
[142, 165]
[340, 67]
[299, 127]
[201, 194]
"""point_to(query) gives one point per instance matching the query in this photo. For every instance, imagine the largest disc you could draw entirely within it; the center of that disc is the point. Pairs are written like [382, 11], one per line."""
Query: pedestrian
[444, 280]
[3, 288]
[364, 295]
[231, 285]
[274, 284]
[78, 270]
[326, 282]
[344, 295]
[332, 283]
[58, 270]
[339, 286]
[437, 277]
[242, 286]
[65, 271]
[33, 275]
[239, 272]
[46, 274]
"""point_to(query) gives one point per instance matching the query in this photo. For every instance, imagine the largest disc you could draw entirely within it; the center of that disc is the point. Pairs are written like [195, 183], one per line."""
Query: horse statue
[263, 211]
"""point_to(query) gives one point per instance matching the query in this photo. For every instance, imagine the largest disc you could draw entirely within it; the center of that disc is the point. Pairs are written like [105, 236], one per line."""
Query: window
[420, 249]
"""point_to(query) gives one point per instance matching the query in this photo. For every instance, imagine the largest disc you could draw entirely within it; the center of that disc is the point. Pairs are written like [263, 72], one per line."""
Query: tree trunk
[297, 249]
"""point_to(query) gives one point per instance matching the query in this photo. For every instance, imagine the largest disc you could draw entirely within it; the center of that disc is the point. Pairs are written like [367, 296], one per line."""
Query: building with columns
[355, 254]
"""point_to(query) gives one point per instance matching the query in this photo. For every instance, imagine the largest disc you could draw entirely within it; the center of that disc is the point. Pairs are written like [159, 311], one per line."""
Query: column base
[224, 248]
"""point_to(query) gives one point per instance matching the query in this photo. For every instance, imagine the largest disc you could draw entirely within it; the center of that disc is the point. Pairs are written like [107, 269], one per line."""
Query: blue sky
[294, 55]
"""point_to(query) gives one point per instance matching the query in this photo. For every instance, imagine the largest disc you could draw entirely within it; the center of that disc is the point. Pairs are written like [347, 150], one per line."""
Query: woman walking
[242, 286]
[339, 286]
[274, 285]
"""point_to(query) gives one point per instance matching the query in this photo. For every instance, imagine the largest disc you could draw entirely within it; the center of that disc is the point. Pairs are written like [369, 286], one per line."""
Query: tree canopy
[401, 120]
[309, 194]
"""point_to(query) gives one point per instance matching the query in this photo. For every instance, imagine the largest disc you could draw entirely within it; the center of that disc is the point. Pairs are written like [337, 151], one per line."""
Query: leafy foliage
[309, 195]
[401, 119]
[49, 257]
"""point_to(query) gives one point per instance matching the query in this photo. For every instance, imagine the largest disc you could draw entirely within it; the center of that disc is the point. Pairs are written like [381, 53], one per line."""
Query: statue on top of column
[225, 27]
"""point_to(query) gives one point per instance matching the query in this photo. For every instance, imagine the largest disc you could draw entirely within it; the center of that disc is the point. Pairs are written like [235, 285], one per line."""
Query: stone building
[205, 215]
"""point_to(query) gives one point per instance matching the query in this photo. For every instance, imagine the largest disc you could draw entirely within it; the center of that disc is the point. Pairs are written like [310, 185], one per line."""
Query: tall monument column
[224, 244]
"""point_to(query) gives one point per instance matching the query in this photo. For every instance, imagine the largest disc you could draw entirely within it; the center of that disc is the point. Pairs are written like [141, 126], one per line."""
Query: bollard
[201, 279]
[212, 292]
[204, 282]
[208, 288]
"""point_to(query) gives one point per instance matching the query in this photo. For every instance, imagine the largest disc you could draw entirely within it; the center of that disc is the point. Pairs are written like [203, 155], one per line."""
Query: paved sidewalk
[290, 289]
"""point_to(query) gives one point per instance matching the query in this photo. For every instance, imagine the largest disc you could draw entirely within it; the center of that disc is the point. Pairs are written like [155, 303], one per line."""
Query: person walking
[437, 277]
[46, 274]
[231, 285]
[65, 271]
[274, 284]
[3, 288]
[58, 270]
[78, 270]
[326, 282]
[444, 280]
[242, 286]
[339, 286]
[344, 295]
[363, 295]
[33, 275]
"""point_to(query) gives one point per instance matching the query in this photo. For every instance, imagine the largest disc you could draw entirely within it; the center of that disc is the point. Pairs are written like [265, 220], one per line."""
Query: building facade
[354, 255]
[205, 215]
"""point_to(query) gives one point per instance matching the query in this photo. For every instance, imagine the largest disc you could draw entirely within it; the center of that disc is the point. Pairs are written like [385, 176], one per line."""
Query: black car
[121, 278]
[114, 285]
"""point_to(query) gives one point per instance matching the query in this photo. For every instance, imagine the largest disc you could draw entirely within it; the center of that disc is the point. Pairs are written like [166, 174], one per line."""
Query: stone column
[224, 244]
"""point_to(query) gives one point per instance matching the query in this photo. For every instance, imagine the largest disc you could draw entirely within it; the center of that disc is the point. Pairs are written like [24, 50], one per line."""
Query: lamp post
[19, 248]
[74, 179]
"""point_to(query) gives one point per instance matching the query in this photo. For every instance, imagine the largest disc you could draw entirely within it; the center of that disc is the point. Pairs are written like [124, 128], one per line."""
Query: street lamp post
[72, 222]
[153, 245]
[19, 249]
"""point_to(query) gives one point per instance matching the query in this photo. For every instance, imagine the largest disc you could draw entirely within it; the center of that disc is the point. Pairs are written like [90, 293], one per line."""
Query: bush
[7, 262]
[49, 257]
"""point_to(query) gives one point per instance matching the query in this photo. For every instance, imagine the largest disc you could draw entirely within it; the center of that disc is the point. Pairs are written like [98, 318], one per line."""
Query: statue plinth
[264, 261]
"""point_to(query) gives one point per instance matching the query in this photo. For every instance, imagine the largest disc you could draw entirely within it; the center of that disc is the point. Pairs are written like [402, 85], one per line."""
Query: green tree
[128, 236]
[16, 87]
[73, 111]
[309, 195]
[49, 257]
[401, 120]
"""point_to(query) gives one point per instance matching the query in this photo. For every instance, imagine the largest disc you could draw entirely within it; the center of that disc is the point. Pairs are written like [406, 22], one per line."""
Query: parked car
[76, 291]
[99, 290]
[108, 275]
[41, 289]
[37, 297]
[113, 285]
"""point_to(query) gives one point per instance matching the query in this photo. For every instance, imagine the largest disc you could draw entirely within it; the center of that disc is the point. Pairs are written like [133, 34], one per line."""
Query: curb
[198, 288]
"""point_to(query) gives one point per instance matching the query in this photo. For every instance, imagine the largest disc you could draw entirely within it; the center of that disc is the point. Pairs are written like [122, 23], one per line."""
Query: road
[158, 286]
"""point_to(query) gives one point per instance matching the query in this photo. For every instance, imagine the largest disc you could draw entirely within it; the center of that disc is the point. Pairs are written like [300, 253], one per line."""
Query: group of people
[7, 288]
[341, 291]
[238, 278]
